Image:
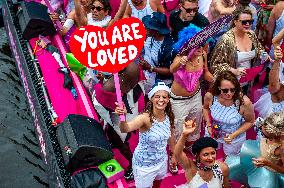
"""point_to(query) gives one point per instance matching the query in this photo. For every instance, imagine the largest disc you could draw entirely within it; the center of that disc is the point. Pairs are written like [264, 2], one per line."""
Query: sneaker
[128, 175]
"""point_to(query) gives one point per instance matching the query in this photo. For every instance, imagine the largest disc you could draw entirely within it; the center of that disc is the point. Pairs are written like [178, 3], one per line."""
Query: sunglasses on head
[245, 22]
[189, 10]
[97, 8]
[232, 90]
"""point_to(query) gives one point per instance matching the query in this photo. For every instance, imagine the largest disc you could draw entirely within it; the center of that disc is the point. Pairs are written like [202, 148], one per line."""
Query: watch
[152, 69]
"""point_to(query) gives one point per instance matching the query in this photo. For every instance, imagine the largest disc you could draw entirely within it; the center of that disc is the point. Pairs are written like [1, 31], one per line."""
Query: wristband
[152, 69]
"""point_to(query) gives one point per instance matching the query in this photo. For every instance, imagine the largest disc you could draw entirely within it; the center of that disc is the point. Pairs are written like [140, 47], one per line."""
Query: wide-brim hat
[156, 21]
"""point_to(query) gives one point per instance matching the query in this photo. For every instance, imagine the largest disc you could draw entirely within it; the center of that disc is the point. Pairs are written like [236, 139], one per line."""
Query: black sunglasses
[232, 90]
[189, 10]
[92, 7]
[245, 22]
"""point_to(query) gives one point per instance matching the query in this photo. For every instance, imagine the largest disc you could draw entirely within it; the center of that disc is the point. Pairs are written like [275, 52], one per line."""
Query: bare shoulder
[224, 167]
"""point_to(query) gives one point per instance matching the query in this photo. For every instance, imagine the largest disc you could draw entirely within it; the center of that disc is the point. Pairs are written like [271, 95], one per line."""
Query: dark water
[20, 161]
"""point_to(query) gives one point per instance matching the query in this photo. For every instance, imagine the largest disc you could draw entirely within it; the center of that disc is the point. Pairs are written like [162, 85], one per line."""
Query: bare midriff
[178, 90]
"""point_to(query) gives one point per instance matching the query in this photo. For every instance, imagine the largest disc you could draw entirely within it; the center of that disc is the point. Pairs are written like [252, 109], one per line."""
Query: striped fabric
[140, 13]
[228, 117]
[151, 149]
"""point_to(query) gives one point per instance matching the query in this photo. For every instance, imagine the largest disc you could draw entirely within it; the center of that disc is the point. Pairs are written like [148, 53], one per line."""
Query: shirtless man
[219, 8]
[141, 8]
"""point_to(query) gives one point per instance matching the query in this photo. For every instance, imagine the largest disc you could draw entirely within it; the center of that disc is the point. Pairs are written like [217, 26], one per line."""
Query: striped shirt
[228, 118]
[151, 149]
[140, 13]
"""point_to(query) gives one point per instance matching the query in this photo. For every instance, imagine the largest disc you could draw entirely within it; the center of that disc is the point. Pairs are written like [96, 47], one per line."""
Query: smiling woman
[226, 99]
[239, 48]
[155, 130]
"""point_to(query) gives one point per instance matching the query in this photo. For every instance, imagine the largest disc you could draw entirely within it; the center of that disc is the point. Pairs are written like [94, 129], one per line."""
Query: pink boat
[51, 103]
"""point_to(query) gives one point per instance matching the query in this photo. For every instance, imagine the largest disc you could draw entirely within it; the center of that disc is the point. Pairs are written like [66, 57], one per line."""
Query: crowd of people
[196, 103]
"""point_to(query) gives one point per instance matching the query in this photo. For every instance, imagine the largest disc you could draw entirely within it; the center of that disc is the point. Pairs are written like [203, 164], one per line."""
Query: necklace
[198, 62]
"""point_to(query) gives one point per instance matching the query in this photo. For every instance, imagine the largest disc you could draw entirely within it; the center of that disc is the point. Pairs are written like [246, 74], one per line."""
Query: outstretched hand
[120, 110]
[259, 162]
[189, 127]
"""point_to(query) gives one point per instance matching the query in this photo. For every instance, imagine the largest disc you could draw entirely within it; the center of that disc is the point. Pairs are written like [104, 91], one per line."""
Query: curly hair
[238, 11]
[168, 110]
[228, 75]
[274, 124]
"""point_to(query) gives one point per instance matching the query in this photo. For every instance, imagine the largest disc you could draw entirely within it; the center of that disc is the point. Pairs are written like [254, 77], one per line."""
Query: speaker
[83, 142]
[34, 20]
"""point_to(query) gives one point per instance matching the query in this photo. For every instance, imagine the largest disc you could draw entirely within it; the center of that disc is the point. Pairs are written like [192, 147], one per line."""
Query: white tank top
[244, 61]
[102, 23]
[197, 181]
[140, 13]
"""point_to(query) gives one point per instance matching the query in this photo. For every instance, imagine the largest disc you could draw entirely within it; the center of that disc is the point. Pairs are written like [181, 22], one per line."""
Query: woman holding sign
[239, 49]
[155, 126]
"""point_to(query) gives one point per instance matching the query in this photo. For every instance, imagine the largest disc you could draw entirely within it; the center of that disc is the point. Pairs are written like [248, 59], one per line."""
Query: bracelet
[152, 69]
[183, 61]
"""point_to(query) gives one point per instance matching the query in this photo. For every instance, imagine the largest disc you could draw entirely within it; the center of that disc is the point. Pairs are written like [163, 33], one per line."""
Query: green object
[76, 66]
[111, 170]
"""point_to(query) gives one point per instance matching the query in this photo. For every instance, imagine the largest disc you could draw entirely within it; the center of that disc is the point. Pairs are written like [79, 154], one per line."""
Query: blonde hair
[274, 124]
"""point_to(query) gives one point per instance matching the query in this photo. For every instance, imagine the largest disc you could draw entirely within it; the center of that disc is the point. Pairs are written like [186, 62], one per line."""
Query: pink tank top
[187, 80]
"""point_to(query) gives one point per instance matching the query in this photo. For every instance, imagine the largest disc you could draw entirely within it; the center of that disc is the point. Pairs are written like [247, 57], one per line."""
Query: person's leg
[180, 110]
[161, 173]
[144, 176]
[195, 112]
[117, 143]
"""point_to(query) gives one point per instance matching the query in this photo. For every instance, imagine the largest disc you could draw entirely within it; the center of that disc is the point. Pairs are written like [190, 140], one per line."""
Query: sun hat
[156, 21]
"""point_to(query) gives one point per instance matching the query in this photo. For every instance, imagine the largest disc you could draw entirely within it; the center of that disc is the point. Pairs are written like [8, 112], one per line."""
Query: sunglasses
[245, 22]
[232, 90]
[189, 10]
[92, 7]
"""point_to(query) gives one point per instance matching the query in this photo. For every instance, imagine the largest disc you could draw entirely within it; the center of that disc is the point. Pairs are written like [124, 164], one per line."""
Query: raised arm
[247, 112]
[80, 14]
[222, 9]
[277, 39]
[177, 63]
[270, 28]
[188, 128]
[119, 13]
[127, 12]
[159, 6]
[274, 81]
